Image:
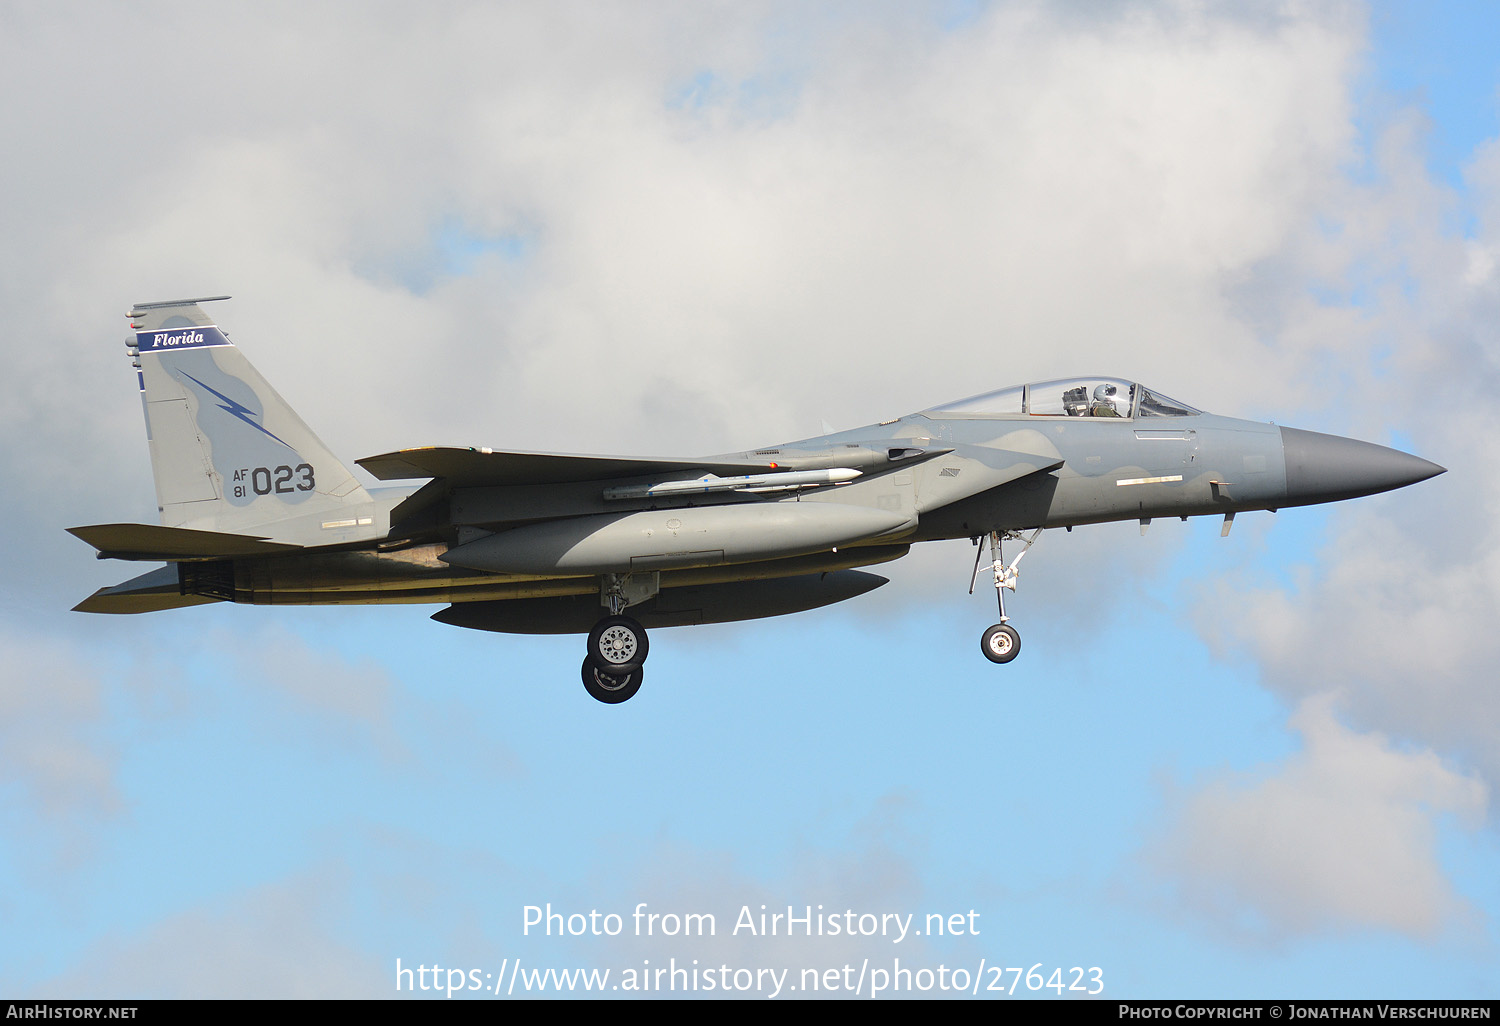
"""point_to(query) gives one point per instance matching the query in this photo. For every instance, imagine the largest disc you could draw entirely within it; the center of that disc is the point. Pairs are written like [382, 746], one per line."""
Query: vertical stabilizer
[227, 452]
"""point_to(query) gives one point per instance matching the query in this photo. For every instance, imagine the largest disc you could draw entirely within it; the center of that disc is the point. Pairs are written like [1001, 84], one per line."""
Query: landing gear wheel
[610, 688]
[617, 645]
[1000, 643]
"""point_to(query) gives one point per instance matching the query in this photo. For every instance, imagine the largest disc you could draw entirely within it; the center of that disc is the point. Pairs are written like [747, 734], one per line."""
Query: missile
[748, 483]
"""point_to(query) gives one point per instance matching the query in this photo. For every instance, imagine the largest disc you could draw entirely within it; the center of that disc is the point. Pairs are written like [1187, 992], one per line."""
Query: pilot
[1104, 402]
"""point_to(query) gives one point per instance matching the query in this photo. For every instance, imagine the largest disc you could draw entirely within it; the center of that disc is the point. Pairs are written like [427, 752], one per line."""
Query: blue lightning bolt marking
[234, 409]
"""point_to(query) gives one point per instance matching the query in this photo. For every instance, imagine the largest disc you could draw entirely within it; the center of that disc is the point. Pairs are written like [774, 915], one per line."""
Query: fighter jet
[254, 508]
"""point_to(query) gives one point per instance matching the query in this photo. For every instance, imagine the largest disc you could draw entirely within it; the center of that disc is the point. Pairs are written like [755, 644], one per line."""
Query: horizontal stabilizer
[478, 468]
[152, 541]
[147, 593]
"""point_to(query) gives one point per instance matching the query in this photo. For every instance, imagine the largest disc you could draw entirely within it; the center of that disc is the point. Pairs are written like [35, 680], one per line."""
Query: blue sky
[1260, 766]
[1440, 58]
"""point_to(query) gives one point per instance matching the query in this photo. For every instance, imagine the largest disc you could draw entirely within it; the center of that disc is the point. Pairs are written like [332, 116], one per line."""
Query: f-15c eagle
[254, 508]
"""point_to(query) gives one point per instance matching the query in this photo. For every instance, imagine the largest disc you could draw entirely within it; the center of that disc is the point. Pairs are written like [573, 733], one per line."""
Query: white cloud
[273, 941]
[1341, 836]
[57, 763]
[1405, 634]
[1397, 611]
[851, 216]
[290, 938]
[350, 701]
[849, 219]
[918, 213]
[355, 693]
[870, 869]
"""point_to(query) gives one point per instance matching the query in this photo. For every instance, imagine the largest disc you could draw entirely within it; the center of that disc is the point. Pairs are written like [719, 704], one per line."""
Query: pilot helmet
[1104, 393]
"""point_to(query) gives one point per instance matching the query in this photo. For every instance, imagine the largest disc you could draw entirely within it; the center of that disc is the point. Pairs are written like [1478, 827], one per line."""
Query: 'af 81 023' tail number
[281, 480]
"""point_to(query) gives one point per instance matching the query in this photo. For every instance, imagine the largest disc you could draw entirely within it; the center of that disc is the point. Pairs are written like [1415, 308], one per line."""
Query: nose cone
[1326, 468]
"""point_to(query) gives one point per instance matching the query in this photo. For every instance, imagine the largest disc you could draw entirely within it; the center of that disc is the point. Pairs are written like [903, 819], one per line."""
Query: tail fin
[227, 452]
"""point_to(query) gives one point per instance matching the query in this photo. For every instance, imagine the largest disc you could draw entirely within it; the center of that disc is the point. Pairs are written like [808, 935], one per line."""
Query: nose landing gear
[1002, 642]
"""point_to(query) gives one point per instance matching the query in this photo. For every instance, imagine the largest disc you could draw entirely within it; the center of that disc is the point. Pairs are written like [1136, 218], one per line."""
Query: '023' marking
[281, 480]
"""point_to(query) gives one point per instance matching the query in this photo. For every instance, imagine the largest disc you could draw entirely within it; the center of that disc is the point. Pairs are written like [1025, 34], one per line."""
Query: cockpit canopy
[1070, 397]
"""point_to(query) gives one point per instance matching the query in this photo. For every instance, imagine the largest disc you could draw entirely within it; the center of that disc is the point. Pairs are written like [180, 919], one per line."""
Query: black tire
[1000, 643]
[609, 688]
[618, 644]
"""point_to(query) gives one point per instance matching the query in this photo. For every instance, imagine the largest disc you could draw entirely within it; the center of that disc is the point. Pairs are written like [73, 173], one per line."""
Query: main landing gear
[617, 645]
[610, 688]
[1002, 643]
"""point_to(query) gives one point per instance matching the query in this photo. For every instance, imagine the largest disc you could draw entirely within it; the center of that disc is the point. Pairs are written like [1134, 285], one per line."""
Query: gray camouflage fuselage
[254, 508]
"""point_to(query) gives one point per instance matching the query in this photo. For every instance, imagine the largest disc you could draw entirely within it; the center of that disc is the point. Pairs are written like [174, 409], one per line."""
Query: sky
[1256, 767]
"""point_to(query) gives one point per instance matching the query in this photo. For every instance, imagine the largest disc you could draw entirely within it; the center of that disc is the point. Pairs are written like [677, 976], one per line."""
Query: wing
[478, 468]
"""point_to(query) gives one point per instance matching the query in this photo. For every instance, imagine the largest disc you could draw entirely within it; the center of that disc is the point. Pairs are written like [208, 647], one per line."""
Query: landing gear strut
[1002, 642]
[617, 645]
